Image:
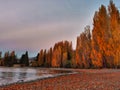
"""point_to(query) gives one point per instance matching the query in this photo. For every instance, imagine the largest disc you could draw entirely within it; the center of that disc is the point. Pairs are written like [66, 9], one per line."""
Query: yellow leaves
[102, 50]
[105, 37]
[83, 49]
[60, 53]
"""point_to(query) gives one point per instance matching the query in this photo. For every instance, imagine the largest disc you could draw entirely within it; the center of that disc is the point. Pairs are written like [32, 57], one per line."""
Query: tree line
[10, 59]
[96, 48]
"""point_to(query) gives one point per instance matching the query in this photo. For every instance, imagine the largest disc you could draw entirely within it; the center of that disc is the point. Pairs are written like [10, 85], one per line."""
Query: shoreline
[39, 79]
[29, 83]
[107, 79]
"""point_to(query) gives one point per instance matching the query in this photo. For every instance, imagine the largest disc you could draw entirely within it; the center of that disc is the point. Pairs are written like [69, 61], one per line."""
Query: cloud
[36, 24]
[40, 35]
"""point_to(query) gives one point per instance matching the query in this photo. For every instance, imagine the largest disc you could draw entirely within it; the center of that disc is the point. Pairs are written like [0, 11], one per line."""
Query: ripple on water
[19, 75]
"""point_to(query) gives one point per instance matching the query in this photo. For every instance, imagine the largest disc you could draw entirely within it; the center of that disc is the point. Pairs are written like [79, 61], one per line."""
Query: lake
[9, 75]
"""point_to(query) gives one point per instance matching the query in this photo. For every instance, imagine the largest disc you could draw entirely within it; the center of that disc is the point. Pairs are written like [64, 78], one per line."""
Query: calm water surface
[13, 75]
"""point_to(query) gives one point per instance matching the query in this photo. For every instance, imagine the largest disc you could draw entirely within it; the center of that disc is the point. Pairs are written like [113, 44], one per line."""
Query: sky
[32, 25]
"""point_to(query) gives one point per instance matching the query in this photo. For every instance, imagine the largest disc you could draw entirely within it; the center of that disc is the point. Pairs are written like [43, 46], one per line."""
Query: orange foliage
[62, 52]
[83, 49]
[102, 50]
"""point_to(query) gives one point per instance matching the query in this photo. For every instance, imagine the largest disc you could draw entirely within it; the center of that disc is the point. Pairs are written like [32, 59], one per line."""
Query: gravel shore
[104, 79]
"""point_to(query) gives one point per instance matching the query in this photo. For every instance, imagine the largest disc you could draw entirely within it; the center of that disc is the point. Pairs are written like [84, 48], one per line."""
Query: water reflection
[12, 75]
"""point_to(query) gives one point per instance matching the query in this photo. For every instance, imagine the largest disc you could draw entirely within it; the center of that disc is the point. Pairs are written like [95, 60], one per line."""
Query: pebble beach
[103, 79]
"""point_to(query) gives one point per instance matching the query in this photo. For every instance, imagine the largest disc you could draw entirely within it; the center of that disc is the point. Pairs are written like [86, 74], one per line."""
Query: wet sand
[103, 79]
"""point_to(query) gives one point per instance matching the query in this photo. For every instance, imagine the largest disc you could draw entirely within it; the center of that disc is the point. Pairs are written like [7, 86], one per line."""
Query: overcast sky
[37, 24]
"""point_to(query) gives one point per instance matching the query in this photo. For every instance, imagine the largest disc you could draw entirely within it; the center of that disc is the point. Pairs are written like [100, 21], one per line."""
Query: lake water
[13, 75]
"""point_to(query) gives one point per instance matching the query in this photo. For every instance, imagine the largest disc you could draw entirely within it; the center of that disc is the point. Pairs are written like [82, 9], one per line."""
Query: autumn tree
[73, 59]
[1, 60]
[106, 37]
[48, 58]
[13, 57]
[67, 54]
[6, 59]
[100, 36]
[114, 22]
[40, 58]
[62, 54]
[83, 49]
[9, 58]
[57, 55]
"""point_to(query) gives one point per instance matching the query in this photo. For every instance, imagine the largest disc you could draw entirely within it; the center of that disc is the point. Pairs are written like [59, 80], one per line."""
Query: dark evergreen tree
[24, 59]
